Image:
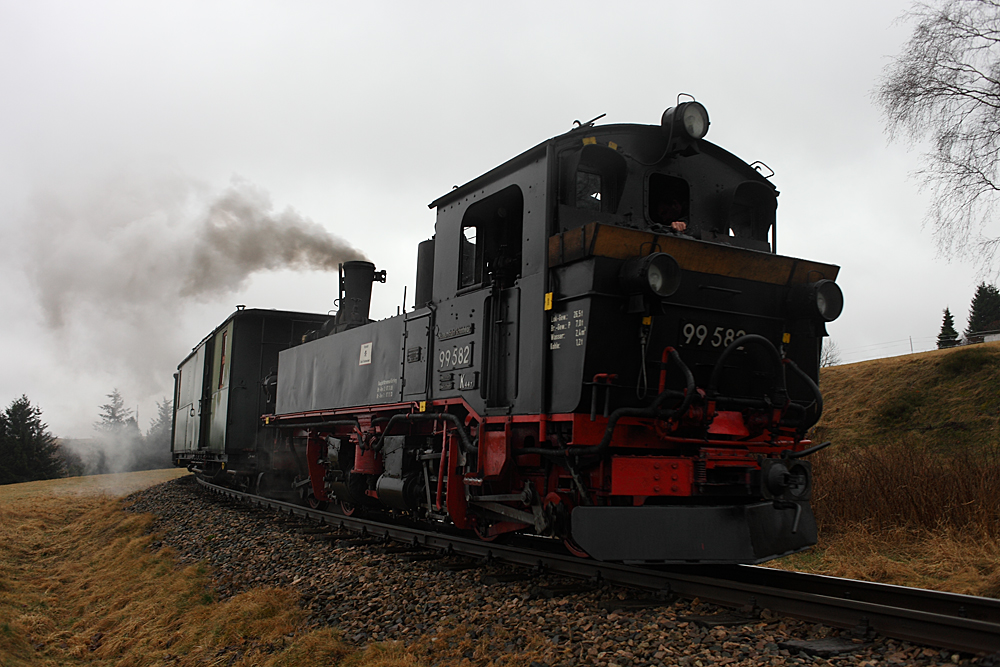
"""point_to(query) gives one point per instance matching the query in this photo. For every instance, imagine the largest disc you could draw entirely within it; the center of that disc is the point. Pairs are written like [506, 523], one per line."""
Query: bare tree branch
[945, 88]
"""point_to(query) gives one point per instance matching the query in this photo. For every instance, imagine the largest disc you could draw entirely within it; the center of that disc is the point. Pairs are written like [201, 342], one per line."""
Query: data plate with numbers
[456, 356]
[707, 335]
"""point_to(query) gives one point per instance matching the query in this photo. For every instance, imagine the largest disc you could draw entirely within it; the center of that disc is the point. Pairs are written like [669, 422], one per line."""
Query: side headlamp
[820, 300]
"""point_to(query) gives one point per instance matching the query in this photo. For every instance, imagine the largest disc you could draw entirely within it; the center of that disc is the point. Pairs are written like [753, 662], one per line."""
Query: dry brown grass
[910, 492]
[939, 560]
[909, 495]
[906, 484]
[117, 484]
[79, 585]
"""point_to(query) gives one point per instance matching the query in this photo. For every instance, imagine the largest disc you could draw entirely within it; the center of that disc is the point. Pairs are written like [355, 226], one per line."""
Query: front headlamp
[657, 274]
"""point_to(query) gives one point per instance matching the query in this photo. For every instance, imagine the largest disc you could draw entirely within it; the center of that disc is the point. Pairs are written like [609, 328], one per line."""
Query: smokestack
[356, 280]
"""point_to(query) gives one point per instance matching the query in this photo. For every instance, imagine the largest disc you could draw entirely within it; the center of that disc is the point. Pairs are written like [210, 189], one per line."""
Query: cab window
[752, 213]
[588, 190]
[669, 199]
[491, 240]
[600, 174]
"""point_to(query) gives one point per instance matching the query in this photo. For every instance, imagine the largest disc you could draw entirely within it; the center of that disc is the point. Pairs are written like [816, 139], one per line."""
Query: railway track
[942, 620]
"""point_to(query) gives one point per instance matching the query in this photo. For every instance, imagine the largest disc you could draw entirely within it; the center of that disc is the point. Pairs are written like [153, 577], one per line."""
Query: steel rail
[949, 604]
[944, 620]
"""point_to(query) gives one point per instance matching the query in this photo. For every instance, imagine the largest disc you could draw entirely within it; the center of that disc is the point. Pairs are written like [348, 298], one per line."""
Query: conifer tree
[114, 414]
[984, 313]
[27, 450]
[948, 336]
[155, 451]
[118, 437]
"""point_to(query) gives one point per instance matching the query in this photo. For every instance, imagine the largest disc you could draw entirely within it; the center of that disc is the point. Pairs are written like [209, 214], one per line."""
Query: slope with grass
[909, 493]
[79, 585]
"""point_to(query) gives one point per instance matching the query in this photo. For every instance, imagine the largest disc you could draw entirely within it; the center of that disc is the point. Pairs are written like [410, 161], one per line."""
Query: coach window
[222, 360]
[491, 240]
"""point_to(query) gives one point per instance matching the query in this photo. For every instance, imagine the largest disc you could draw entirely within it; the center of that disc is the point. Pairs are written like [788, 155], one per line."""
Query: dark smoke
[118, 269]
[240, 235]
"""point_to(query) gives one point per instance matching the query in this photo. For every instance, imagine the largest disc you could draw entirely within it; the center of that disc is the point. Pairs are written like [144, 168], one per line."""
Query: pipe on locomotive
[652, 411]
[814, 388]
[463, 437]
[334, 422]
[789, 454]
[781, 390]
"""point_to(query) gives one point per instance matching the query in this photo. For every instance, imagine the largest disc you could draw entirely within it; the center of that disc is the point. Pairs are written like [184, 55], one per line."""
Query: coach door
[217, 406]
[187, 424]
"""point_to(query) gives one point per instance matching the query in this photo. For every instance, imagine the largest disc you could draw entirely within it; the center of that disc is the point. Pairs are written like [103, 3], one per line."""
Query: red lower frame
[503, 471]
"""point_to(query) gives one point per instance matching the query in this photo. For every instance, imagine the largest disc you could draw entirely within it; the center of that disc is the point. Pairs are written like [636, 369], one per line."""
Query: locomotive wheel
[574, 548]
[348, 509]
[482, 532]
[315, 503]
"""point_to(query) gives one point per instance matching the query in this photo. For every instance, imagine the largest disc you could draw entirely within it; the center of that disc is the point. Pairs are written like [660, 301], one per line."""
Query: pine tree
[984, 313]
[119, 438]
[159, 430]
[114, 414]
[156, 445]
[27, 450]
[948, 336]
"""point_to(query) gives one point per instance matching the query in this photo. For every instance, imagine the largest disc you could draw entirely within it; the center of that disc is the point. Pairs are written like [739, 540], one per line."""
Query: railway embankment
[182, 579]
[907, 494]
[448, 611]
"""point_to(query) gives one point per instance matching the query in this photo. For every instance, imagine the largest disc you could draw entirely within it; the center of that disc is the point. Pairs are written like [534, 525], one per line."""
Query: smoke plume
[117, 268]
[240, 235]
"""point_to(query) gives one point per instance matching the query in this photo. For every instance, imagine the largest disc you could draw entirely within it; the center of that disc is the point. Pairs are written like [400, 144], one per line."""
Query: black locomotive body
[605, 349]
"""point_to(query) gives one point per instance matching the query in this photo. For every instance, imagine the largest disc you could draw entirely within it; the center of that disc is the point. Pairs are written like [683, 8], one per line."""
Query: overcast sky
[123, 125]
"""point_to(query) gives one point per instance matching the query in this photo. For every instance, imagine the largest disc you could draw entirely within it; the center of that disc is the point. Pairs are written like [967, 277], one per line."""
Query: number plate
[707, 335]
[456, 356]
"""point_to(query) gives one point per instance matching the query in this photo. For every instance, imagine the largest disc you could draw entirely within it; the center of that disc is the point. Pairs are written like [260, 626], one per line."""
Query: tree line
[29, 451]
[984, 317]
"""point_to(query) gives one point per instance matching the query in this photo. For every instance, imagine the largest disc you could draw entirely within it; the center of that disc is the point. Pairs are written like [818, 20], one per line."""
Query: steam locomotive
[605, 349]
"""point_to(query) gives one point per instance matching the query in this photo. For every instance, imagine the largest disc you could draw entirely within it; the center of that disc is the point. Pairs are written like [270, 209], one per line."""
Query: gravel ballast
[458, 612]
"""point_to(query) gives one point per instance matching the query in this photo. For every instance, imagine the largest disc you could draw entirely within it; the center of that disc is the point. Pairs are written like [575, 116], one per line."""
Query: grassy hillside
[943, 399]
[80, 586]
[909, 493]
